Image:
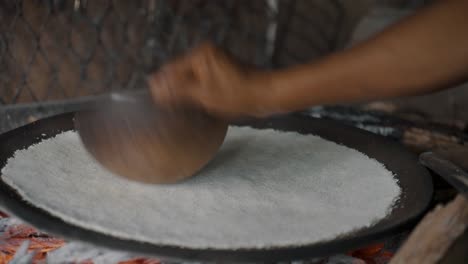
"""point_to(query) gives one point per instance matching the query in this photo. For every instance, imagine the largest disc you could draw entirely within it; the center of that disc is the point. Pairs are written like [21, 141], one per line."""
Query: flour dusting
[265, 188]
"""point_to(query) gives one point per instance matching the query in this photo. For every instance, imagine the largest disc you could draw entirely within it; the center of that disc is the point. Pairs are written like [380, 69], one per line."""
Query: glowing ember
[374, 254]
[15, 235]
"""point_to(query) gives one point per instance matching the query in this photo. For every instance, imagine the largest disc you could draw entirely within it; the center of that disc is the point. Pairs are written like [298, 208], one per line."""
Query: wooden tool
[441, 229]
[132, 137]
[453, 174]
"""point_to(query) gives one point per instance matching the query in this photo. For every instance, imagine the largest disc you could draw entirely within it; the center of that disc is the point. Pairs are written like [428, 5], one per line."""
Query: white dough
[265, 188]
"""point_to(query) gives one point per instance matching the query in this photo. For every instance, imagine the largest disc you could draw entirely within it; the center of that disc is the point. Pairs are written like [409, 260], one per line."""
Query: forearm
[422, 53]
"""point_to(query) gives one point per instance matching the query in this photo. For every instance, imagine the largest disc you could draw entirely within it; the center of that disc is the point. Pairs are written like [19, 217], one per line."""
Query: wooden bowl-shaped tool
[134, 138]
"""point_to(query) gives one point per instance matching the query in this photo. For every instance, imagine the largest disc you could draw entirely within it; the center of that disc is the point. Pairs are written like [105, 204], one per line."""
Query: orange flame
[373, 254]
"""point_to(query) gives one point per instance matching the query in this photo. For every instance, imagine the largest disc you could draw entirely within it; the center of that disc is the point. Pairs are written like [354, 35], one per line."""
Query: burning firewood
[14, 236]
[435, 234]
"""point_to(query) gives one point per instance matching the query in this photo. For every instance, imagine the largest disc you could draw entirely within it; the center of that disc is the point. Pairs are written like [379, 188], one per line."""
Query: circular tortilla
[264, 189]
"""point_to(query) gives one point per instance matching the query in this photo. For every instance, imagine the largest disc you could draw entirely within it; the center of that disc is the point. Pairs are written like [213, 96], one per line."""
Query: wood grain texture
[435, 234]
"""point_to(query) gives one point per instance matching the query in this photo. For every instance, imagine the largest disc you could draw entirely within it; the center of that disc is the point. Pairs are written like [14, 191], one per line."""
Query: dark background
[53, 52]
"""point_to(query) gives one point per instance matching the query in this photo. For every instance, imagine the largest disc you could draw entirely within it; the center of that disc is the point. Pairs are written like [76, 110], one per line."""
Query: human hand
[210, 79]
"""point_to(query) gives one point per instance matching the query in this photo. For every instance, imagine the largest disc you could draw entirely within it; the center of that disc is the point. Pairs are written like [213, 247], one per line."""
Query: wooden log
[431, 239]
[446, 146]
[457, 253]
[421, 140]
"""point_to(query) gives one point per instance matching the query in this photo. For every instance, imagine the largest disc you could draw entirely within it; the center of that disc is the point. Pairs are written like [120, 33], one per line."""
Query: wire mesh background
[63, 49]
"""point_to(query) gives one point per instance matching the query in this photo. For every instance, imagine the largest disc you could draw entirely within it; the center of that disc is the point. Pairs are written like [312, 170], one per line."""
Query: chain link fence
[64, 49]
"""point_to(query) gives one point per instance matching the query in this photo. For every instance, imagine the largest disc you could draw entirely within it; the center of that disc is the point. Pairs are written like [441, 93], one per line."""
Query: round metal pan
[414, 180]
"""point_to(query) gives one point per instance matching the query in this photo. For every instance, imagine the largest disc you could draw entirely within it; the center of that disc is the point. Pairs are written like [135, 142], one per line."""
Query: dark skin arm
[423, 53]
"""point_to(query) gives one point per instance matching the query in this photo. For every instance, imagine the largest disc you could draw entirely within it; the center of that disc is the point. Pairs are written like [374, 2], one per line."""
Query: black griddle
[414, 180]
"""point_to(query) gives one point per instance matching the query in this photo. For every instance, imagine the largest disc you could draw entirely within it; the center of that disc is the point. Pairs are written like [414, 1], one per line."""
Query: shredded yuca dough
[265, 188]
